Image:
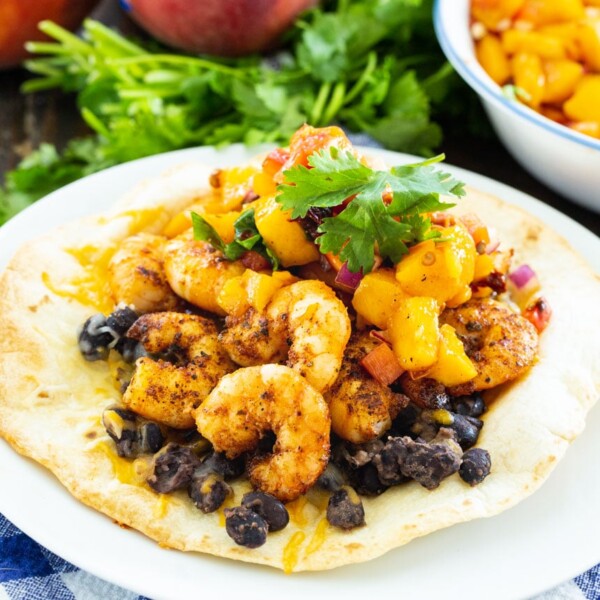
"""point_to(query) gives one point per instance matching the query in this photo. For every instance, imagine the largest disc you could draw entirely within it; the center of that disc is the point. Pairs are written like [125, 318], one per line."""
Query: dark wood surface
[25, 121]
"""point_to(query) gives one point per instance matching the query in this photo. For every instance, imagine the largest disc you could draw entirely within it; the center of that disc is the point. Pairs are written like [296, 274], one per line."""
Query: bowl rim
[489, 90]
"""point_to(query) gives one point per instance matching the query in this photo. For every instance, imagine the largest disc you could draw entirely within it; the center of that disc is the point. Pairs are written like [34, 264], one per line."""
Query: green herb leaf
[379, 210]
[246, 237]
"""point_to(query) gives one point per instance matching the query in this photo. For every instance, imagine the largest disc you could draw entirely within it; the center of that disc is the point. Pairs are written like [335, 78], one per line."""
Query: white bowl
[563, 159]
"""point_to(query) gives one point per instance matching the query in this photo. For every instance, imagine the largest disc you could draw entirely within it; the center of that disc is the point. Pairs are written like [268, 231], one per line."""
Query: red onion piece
[521, 276]
[347, 280]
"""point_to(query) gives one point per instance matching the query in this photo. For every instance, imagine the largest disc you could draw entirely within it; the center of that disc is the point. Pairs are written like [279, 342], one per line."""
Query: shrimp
[255, 400]
[137, 276]
[197, 271]
[169, 391]
[501, 344]
[308, 320]
[362, 409]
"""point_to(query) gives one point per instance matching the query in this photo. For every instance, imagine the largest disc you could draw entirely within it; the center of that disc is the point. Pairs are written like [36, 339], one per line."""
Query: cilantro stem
[319, 105]
[95, 123]
[46, 48]
[363, 80]
[65, 37]
[102, 33]
[172, 59]
[42, 83]
[336, 102]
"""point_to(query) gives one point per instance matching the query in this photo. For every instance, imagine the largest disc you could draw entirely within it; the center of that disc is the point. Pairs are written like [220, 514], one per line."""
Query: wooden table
[25, 121]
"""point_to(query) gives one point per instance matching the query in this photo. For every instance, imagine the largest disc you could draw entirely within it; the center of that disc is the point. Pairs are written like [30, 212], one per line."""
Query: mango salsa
[414, 333]
[378, 296]
[440, 270]
[283, 236]
[453, 366]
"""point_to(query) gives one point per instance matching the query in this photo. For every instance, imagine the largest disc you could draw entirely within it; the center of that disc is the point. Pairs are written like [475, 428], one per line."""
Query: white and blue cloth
[29, 571]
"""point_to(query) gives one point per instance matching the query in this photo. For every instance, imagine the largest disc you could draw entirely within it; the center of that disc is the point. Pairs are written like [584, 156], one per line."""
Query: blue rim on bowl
[489, 90]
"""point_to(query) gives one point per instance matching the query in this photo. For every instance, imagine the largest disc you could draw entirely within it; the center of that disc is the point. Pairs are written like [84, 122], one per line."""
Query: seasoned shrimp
[169, 391]
[253, 401]
[137, 275]
[249, 340]
[362, 409]
[306, 317]
[501, 343]
[197, 271]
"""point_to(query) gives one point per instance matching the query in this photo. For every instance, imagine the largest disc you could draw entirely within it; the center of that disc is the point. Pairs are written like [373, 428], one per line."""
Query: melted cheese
[318, 537]
[296, 511]
[291, 552]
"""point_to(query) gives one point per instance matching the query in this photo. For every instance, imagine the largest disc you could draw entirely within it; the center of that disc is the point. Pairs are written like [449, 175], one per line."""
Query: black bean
[366, 481]
[476, 465]
[269, 508]
[174, 466]
[208, 492]
[469, 406]
[217, 462]
[121, 320]
[120, 424]
[94, 339]
[467, 430]
[345, 509]
[150, 438]
[388, 462]
[245, 527]
[428, 464]
[403, 423]
[332, 478]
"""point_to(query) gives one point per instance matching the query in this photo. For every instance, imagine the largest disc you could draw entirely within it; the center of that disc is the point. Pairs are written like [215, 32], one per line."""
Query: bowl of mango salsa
[535, 65]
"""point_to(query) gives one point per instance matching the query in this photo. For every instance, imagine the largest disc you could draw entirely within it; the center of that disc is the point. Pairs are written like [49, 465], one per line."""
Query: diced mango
[589, 42]
[515, 41]
[378, 296]
[453, 366]
[234, 184]
[414, 333]
[260, 288]
[283, 236]
[562, 77]
[484, 266]
[494, 12]
[588, 128]
[546, 12]
[584, 105]
[528, 74]
[209, 203]
[463, 295]
[264, 185]
[285, 277]
[568, 33]
[223, 224]
[556, 114]
[493, 59]
[233, 298]
[441, 269]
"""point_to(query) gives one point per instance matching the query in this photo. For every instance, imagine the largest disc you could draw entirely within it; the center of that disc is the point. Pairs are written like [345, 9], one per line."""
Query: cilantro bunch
[370, 65]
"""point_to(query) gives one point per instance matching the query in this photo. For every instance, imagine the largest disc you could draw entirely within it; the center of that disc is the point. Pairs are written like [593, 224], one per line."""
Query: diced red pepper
[382, 364]
[538, 313]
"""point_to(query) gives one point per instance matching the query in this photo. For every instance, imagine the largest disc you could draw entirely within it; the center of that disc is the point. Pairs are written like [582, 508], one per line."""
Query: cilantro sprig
[383, 209]
[247, 237]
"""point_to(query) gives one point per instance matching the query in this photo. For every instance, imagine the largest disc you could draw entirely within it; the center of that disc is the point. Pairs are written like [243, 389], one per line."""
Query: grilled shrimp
[255, 400]
[307, 319]
[362, 409]
[169, 390]
[137, 275]
[197, 271]
[501, 343]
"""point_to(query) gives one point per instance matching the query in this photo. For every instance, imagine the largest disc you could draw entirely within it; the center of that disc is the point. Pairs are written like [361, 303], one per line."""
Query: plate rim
[566, 227]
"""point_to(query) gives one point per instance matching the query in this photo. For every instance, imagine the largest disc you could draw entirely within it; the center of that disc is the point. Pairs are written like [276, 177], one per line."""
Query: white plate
[548, 538]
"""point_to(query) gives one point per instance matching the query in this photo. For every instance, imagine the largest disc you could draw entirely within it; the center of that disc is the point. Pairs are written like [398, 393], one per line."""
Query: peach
[19, 20]
[220, 27]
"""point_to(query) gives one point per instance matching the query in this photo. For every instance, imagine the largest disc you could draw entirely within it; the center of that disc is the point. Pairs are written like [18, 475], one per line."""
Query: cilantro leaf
[246, 237]
[378, 210]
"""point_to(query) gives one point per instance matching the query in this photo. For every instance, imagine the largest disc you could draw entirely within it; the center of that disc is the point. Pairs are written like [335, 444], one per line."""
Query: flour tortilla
[51, 399]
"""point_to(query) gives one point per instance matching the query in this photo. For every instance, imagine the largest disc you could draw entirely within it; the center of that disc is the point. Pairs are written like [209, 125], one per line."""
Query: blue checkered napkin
[30, 572]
